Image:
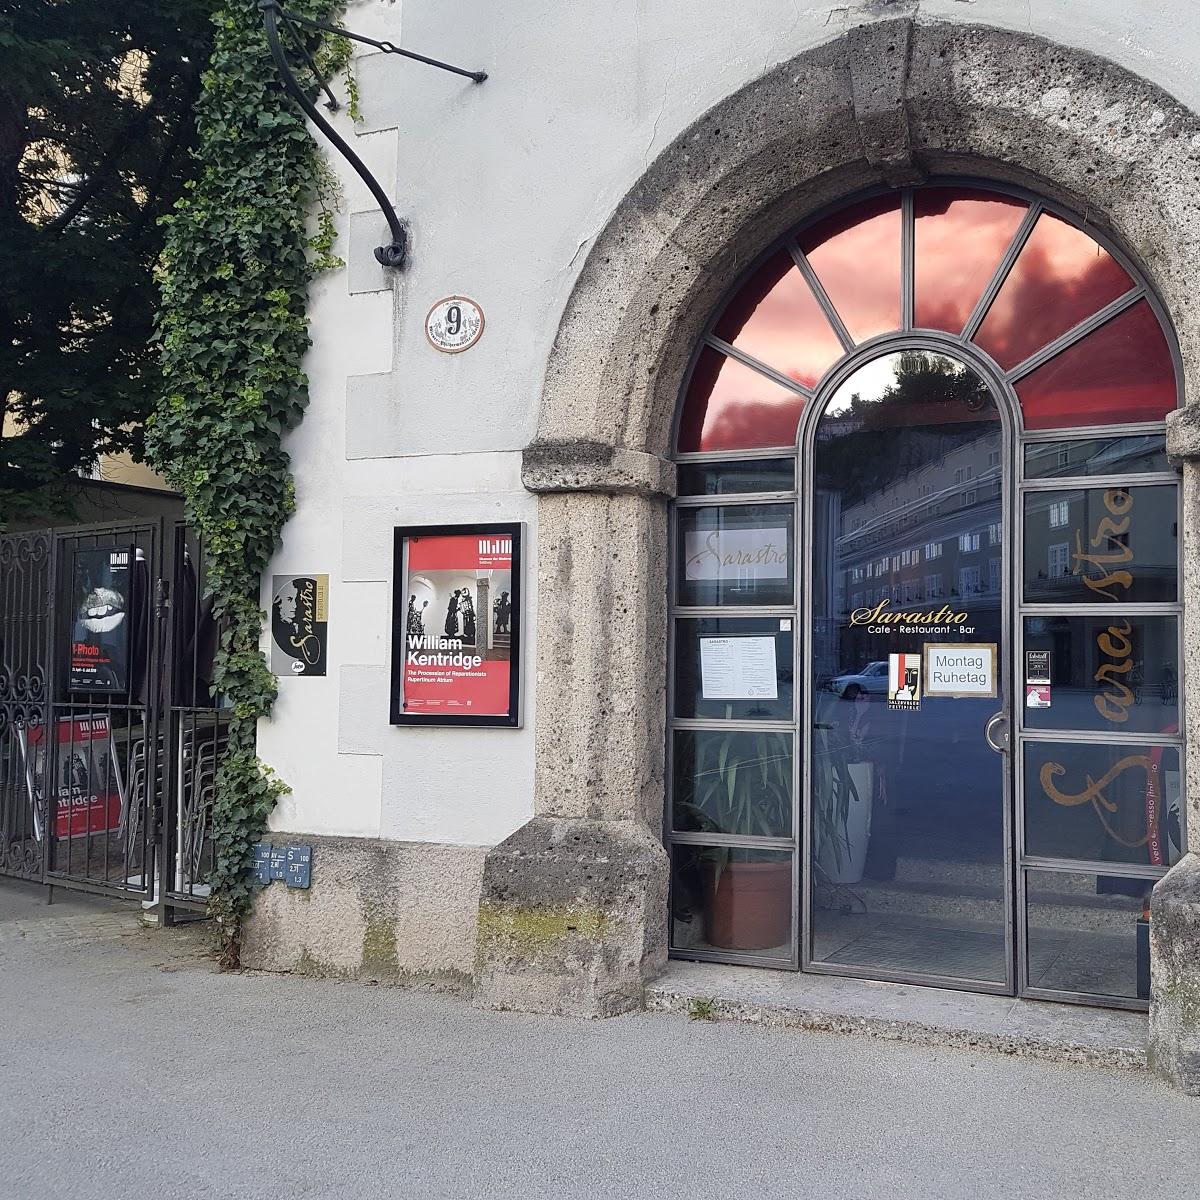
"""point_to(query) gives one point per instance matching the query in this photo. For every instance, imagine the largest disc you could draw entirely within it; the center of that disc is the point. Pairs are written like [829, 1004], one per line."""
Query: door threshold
[902, 1012]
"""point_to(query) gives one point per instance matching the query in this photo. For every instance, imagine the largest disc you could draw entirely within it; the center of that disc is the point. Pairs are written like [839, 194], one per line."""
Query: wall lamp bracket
[276, 21]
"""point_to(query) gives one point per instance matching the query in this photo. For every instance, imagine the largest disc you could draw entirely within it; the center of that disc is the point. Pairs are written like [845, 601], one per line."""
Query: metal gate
[110, 732]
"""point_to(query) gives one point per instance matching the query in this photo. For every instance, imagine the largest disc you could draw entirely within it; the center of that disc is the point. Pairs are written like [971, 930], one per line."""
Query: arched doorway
[925, 611]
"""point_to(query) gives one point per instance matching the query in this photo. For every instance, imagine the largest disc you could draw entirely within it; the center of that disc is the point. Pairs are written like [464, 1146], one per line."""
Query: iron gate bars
[25, 616]
[108, 785]
[104, 751]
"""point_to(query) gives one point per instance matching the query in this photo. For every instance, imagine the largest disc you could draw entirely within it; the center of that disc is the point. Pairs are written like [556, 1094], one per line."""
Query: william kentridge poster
[86, 782]
[299, 624]
[100, 590]
[456, 625]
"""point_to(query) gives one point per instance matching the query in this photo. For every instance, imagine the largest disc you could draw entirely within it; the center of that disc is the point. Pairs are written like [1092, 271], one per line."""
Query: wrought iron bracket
[275, 19]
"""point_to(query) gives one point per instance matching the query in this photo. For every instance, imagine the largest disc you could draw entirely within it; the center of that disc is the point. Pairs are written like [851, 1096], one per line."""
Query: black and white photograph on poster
[100, 591]
[299, 624]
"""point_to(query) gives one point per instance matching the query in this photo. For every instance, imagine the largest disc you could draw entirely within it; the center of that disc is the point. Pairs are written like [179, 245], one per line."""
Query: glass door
[907, 766]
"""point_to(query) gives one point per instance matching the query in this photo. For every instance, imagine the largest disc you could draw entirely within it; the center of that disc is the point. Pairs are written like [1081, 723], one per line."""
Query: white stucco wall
[503, 186]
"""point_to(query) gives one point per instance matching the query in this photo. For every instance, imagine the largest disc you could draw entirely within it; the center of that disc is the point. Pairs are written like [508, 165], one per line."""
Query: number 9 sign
[454, 324]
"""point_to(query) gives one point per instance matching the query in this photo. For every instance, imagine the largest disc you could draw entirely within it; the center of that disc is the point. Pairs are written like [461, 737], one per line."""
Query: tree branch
[103, 172]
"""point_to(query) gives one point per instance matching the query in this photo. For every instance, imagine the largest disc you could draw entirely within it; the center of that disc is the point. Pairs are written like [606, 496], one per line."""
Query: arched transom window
[1066, 322]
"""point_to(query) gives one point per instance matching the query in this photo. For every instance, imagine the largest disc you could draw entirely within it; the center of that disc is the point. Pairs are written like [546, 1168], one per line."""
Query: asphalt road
[131, 1069]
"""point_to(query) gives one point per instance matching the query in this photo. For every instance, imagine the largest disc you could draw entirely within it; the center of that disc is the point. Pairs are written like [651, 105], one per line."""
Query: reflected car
[872, 680]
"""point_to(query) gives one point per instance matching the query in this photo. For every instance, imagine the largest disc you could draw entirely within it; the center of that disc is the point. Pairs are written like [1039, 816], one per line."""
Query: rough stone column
[1174, 1046]
[573, 907]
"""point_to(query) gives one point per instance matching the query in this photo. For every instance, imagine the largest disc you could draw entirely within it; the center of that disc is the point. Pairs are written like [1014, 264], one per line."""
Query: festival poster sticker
[904, 681]
[101, 596]
[960, 670]
[456, 625]
[299, 624]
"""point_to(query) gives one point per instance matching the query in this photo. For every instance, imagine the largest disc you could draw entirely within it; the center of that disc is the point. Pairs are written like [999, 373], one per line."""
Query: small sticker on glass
[1037, 666]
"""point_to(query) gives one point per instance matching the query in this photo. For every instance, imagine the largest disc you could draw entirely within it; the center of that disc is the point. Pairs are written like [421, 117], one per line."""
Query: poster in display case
[456, 625]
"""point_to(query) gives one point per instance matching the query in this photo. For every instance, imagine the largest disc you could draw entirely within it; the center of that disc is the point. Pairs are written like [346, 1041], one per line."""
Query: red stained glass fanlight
[1072, 330]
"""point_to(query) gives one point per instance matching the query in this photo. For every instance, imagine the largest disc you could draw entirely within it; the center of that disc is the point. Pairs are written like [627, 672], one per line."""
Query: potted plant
[843, 782]
[740, 782]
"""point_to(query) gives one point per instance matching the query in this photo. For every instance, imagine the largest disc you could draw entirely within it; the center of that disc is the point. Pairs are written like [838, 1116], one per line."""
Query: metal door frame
[1009, 413]
[1002, 384]
[25, 691]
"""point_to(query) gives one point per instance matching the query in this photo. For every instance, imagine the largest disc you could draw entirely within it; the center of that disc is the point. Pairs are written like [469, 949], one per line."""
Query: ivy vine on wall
[233, 330]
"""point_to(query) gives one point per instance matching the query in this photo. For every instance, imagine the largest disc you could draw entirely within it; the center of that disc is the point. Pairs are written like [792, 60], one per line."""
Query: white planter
[857, 832]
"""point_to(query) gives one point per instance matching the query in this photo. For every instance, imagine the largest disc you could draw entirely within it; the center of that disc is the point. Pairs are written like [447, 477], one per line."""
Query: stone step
[900, 1012]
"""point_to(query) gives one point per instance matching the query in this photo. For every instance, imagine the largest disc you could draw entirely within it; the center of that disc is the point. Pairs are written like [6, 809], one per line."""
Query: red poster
[86, 784]
[457, 619]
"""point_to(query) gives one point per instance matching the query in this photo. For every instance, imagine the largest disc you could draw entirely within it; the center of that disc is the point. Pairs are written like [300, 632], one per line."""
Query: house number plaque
[454, 324]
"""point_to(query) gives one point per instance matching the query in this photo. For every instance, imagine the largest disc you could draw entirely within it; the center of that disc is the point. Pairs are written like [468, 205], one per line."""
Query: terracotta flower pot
[748, 906]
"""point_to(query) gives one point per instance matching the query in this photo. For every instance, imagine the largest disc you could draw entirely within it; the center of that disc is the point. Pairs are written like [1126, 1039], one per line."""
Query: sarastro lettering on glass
[1106, 568]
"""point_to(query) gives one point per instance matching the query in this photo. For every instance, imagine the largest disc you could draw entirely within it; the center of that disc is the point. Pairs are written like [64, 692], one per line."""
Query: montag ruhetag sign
[960, 670]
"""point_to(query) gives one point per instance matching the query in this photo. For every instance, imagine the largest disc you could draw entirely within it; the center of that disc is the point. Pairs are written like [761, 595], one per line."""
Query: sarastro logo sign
[737, 554]
[881, 619]
[299, 624]
[1106, 568]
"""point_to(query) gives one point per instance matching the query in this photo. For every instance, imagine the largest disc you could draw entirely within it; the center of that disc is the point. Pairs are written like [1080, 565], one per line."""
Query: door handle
[996, 732]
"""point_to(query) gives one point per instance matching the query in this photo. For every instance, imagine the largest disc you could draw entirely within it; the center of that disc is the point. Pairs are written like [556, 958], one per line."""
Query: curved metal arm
[396, 251]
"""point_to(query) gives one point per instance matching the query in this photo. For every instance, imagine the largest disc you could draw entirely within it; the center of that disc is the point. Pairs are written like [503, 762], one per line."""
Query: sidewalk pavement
[131, 1068]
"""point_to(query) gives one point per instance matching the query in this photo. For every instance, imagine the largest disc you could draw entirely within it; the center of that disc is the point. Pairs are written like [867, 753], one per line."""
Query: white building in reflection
[934, 533]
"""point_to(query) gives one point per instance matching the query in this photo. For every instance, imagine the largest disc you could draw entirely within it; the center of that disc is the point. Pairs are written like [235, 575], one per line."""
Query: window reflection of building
[944, 524]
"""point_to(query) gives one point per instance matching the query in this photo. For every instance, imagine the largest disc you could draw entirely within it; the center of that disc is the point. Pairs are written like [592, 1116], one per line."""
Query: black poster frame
[507, 720]
[121, 659]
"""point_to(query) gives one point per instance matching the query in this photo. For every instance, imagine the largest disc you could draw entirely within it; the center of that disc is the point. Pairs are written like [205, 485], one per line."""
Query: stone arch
[895, 100]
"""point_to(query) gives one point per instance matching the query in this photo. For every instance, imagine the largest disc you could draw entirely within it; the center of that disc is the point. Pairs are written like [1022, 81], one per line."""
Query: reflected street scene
[907, 795]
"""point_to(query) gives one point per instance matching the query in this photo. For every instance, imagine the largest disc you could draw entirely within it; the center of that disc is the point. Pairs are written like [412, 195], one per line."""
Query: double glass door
[924, 716]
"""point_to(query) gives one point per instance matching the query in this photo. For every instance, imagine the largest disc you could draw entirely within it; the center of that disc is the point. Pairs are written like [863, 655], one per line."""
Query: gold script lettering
[879, 615]
[1119, 503]
[1093, 792]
